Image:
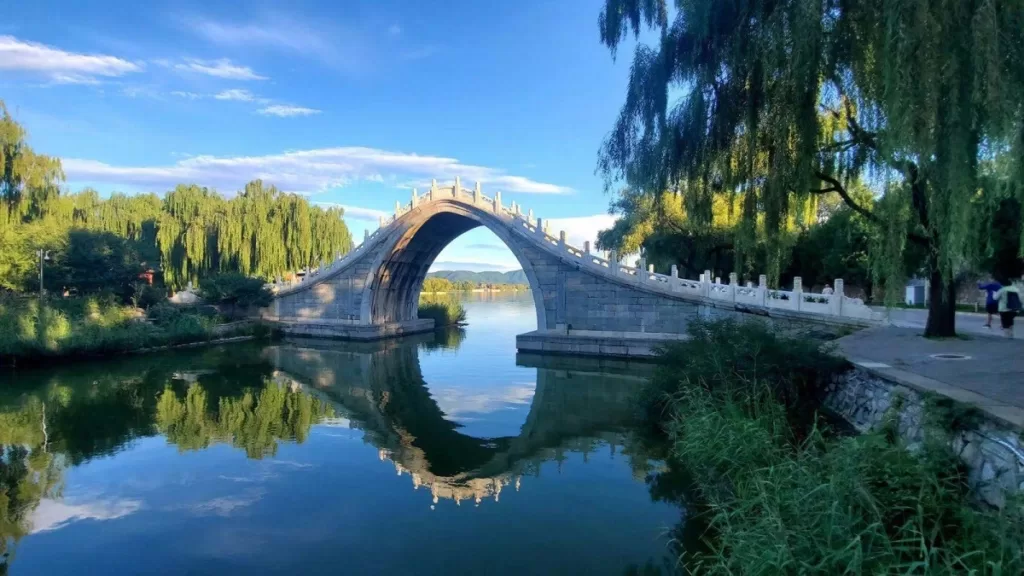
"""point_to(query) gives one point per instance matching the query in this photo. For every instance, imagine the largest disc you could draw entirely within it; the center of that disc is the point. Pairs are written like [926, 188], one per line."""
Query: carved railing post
[561, 238]
[733, 282]
[586, 246]
[398, 209]
[476, 193]
[366, 235]
[433, 189]
[674, 273]
[540, 226]
[838, 295]
[641, 267]
[613, 262]
[762, 289]
[497, 202]
[415, 198]
[456, 188]
[705, 284]
[798, 291]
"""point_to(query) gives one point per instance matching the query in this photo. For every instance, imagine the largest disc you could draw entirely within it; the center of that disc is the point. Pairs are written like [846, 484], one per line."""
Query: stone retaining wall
[993, 453]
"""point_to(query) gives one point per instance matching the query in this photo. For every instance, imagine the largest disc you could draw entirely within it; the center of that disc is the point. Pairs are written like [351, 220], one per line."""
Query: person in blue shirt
[991, 304]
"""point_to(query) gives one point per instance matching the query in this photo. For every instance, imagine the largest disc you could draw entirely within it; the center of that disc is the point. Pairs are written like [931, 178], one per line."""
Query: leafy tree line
[190, 233]
[773, 101]
[435, 284]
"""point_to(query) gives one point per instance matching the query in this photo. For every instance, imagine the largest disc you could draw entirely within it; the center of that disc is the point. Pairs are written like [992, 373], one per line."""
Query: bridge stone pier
[585, 304]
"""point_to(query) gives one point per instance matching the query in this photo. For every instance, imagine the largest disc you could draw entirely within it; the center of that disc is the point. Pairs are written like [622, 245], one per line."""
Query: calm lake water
[437, 454]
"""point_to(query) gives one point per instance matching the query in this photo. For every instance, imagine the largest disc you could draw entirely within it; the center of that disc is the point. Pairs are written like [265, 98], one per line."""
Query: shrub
[728, 357]
[236, 290]
[444, 311]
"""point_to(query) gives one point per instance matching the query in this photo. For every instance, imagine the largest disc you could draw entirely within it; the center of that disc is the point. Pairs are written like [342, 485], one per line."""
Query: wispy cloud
[235, 94]
[222, 68]
[186, 95]
[59, 65]
[55, 514]
[306, 171]
[394, 30]
[493, 247]
[286, 111]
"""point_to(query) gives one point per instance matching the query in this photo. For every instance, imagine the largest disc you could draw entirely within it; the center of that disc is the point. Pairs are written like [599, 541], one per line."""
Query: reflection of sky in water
[484, 390]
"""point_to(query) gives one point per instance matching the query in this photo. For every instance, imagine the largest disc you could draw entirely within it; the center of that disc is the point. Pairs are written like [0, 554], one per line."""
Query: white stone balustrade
[535, 229]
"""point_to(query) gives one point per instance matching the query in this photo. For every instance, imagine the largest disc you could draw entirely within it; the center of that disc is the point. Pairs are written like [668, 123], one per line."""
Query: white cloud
[356, 212]
[458, 402]
[60, 66]
[186, 95]
[55, 514]
[420, 53]
[304, 171]
[235, 94]
[394, 30]
[581, 228]
[277, 31]
[222, 68]
[285, 111]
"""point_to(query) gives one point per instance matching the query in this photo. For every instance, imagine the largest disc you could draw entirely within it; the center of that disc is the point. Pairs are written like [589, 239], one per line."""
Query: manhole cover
[950, 357]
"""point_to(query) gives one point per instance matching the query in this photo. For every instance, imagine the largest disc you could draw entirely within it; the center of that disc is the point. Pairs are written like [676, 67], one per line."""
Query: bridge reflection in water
[378, 387]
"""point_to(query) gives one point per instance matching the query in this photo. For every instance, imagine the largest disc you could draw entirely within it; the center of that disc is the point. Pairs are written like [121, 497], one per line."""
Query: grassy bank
[67, 329]
[779, 492]
[445, 311]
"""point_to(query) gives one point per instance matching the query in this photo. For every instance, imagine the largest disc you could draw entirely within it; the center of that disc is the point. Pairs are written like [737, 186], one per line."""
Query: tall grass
[445, 311]
[780, 494]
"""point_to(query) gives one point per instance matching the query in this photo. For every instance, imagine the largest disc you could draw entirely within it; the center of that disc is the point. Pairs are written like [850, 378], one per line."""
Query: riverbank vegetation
[76, 328]
[436, 285]
[443, 310]
[778, 490]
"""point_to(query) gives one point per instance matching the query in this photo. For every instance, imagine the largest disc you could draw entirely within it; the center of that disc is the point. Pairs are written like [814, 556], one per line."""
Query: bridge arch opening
[392, 294]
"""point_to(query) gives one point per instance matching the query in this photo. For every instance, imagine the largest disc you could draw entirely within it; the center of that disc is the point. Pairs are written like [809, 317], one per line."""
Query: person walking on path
[991, 304]
[1009, 306]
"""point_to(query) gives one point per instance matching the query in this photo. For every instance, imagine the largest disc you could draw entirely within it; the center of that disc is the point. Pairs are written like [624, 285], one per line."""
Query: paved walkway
[991, 376]
[967, 323]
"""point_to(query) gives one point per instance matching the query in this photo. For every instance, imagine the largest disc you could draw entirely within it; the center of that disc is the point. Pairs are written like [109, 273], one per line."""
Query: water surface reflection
[427, 455]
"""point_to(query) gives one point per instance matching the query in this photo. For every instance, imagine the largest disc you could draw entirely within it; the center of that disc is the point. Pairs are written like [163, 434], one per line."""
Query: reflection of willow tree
[449, 338]
[255, 421]
[28, 473]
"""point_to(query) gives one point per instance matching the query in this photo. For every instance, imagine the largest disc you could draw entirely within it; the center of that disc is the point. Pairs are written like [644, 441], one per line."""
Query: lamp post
[44, 256]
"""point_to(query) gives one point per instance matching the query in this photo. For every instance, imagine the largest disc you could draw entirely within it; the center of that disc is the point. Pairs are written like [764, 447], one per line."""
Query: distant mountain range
[492, 277]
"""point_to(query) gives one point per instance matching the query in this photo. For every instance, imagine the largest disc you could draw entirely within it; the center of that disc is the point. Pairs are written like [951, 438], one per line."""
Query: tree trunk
[941, 305]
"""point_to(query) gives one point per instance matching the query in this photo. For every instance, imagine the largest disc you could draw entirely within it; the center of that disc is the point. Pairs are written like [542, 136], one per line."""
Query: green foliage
[858, 505]
[433, 285]
[444, 311]
[236, 289]
[254, 421]
[774, 493]
[725, 357]
[190, 234]
[800, 98]
[79, 327]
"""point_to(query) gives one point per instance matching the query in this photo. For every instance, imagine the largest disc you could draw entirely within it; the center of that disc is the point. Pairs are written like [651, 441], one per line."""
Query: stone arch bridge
[585, 304]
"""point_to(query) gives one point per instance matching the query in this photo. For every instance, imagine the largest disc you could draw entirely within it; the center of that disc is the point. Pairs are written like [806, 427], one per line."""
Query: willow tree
[22, 171]
[801, 97]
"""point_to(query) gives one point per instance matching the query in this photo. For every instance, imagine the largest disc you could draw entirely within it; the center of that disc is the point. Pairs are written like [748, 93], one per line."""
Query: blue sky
[352, 103]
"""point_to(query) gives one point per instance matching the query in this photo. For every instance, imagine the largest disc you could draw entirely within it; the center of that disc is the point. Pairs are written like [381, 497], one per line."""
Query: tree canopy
[190, 233]
[769, 100]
